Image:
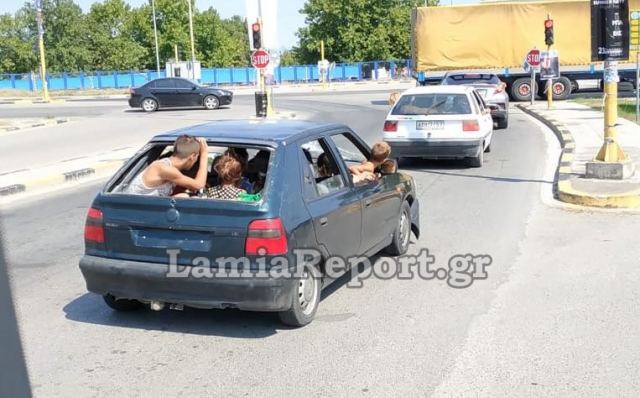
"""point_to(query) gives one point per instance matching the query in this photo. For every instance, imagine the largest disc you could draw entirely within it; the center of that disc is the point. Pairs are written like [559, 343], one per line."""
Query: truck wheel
[521, 89]
[306, 298]
[402, 233]
[122, 305]
[561, 88]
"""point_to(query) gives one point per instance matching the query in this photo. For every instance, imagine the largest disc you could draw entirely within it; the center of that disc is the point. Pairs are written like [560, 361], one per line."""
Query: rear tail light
[266, 238]
[470, 125]
[390, 126]
[132, 91]
[93, 228]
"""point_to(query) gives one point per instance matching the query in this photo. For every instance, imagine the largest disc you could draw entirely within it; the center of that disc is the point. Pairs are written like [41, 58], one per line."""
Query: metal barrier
[361, 71]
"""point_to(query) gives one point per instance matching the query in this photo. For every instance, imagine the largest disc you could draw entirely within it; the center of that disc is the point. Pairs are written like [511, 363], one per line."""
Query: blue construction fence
[375, 70]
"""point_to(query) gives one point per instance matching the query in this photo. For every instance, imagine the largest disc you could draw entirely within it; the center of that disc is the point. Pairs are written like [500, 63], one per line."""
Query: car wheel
[211, 102]
[122, 305]
[149, 105]
[306, 298]
[503, 123]
[402, 233]
[488, 148]
[478, 160]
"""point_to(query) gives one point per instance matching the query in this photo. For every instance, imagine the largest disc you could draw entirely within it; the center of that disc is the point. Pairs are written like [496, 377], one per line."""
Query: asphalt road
[536, 326]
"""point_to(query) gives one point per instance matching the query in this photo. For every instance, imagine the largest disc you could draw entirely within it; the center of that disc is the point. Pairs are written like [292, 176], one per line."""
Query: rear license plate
[430, 125]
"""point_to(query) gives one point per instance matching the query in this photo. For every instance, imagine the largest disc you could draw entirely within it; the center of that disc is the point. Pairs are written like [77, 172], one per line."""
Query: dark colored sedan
[177, 92]
[304, 202]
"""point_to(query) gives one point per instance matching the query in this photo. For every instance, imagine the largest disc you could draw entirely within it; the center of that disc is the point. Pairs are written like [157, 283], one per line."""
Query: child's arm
[362, 168]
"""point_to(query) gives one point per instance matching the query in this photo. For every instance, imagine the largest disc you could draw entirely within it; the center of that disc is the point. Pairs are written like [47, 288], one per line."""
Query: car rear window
[432, 104]
[254, 161]
[472, 78]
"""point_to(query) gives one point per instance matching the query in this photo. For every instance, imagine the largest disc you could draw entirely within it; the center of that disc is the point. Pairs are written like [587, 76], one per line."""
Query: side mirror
[388, 167]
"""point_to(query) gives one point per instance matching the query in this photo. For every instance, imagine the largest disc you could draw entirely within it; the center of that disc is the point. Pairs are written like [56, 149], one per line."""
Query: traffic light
[257, 35]
[548, 32]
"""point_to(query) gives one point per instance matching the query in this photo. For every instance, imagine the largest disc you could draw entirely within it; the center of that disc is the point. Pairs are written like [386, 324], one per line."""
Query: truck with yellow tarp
[497, 37]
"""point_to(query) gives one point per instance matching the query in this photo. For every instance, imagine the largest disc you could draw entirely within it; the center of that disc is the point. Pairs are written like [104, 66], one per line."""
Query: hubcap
[148, 105]
[558, 88]
[525, 89]
[307, 293]
[211, 102]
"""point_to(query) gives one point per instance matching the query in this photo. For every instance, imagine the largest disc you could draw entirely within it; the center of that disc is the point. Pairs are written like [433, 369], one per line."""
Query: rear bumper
[149, 281]
[435, 149]
[499, 115]
[135, 102]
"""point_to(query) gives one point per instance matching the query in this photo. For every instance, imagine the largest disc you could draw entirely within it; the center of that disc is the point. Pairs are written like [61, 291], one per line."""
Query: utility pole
[43, 63]
[193, 49]
[549, 43]
[155, 34]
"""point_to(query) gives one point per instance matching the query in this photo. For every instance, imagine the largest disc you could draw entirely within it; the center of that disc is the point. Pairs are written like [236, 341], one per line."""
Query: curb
[57, 179]
[563, 189]
[49, 122]
[32, 101]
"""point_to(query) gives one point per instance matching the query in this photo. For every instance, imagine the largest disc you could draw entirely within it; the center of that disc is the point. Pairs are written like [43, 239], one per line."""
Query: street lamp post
[193, 50]
[155, 34]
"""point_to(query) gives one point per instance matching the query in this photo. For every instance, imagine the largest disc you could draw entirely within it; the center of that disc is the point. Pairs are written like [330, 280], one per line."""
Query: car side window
[351, 154]
[320, 171]
[164, 83]
[183, 84]
[479, 103]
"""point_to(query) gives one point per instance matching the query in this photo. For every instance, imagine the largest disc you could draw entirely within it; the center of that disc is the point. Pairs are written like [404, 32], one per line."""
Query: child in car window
[162, 176]
[229, 172]
[365, 171]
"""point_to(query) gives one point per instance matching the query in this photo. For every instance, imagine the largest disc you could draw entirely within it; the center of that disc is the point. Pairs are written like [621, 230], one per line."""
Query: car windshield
[469, 78]
[432, 104]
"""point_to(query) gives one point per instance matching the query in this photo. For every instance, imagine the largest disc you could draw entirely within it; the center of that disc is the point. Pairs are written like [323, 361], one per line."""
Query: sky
[288, 17]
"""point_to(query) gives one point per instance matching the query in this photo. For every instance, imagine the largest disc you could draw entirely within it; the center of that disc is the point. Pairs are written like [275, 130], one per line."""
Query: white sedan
[440, 122]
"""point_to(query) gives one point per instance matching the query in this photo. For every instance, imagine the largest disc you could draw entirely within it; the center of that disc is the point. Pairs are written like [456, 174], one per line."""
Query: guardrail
[362, 71]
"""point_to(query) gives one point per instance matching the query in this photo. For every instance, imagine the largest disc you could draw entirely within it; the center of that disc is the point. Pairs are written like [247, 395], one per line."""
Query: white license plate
[430, 125]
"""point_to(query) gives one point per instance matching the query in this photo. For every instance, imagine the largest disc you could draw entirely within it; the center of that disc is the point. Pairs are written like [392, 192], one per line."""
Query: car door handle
[367, 202]
[324, 221]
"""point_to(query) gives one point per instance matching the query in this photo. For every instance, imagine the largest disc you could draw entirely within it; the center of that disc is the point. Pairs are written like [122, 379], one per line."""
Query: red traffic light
[548, 24]
[255, 27]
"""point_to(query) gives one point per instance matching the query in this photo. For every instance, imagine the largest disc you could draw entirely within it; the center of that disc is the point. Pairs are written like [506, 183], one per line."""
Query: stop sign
[260, 59]
[533, 58]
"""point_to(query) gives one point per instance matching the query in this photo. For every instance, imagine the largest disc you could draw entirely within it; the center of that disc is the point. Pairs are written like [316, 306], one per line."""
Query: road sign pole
[533, 84]
[610, 150]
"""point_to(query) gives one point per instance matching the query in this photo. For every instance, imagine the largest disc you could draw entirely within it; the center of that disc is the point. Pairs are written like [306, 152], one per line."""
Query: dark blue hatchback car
[207, 253]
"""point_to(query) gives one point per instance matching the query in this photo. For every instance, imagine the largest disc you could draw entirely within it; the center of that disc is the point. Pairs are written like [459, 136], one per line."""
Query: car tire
[503, 123]
[306, 298]
[521, 89]
[149, 105]
[488, 148]
[402, 233]
[478, 160]
[122, 305]
[211, 102]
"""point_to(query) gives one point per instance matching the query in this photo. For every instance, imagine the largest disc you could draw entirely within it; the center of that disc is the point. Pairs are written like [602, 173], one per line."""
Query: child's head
[324, 165]
[240, 154]
[380, 152]
[388, 167]
[229, 170]
[187, 149]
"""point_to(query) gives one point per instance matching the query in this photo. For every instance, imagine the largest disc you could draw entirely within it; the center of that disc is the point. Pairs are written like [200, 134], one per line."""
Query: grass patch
[626, 106]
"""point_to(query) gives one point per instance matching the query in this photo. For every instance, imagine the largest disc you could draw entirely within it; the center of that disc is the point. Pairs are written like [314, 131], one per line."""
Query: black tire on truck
[521, 89]
[561, 88]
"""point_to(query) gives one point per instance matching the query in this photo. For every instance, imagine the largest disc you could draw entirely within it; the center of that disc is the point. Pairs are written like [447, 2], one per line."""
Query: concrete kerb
[563, 189]
[47, 122]
[49, 181]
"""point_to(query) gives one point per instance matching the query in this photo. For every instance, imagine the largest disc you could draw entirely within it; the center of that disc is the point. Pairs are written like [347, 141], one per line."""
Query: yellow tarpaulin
[490, 36]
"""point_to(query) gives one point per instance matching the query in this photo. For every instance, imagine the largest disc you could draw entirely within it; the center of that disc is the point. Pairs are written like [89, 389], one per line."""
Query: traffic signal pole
[549, 42]
[43, 62]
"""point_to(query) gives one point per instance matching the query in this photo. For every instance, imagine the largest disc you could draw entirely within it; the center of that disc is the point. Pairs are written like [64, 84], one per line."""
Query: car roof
[458, 89]
[269, 130]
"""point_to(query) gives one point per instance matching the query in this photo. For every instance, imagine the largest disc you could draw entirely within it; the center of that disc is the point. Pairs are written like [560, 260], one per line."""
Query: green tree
[220, 42]
[111, 39]
[356, 30]
[66, 34]
[16, 49]
[289, 58]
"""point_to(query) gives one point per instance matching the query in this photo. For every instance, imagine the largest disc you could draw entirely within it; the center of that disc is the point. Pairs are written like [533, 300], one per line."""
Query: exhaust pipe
[157, 305]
